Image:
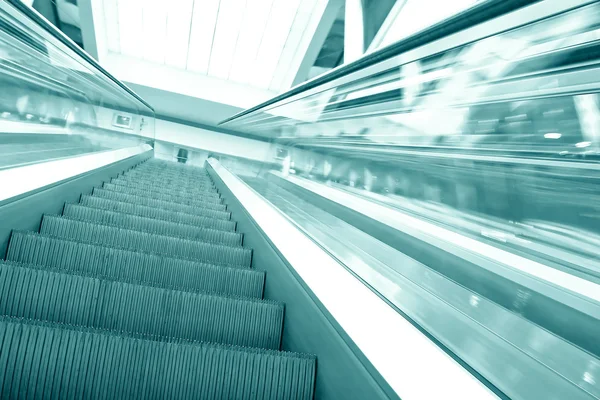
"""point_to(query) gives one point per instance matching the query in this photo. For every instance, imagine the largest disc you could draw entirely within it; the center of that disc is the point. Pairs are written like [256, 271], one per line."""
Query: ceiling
[258, 43]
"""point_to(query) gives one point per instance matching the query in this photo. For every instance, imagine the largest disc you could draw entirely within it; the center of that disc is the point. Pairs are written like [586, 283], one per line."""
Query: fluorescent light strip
[204, 21]
[276, 34]
[248, 44]
[287, 63]
[18, 181]
[154, 41]
[404, 357]
[130, 27]
[178, 32]
[111, 20]
[231, 16]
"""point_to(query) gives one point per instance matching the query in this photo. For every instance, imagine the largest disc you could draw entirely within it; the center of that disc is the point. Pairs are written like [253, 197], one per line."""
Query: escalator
[143, 289]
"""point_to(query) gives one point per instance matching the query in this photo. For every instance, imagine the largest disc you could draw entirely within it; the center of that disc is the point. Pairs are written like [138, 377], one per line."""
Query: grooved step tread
[145, 224]
[160, 189]
[35, 248]
[200, 190]
[169, 181]
[43, 360]
[197, 211]
[175, 180]
[143, 290]
[161, 196]
[106, 235]
[167, 215]
[56, 296]
[147, 201]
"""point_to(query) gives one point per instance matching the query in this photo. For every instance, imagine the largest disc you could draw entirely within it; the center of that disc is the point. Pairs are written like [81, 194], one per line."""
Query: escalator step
[167, 215]
[155, 185]
[160, 189]
[55, 296]
[198, 211]
[168, 180]
[158, 226]
[46, 360]
[162, 196]
[33, 248]
[167, 169]
[161, 204]
[199, 278]
[147, 201]
[106, 235]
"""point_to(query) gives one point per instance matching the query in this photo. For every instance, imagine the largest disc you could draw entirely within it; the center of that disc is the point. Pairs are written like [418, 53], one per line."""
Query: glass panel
[54, 104]
[481, 159]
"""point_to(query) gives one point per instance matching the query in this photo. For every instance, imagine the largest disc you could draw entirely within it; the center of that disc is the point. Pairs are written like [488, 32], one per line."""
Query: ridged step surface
[167, 215]
[160, 189]
[158, 226]
[148, 201]
[42, 360]
[170, 182]
[51, 295]
[124, 295]
[34, 248]
[161, 196]
[107, 235]
[200, 190]
[197, 211]
[169, 179]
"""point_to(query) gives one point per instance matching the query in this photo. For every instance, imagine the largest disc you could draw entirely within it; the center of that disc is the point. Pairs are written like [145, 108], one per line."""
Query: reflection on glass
[495, 140]
[54, 104]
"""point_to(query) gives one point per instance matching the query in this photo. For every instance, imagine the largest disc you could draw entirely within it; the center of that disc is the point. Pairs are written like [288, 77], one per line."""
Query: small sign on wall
[122, 121]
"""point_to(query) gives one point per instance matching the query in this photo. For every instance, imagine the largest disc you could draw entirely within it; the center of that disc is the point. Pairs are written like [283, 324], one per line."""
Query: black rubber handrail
[54, 31]
[477, 14]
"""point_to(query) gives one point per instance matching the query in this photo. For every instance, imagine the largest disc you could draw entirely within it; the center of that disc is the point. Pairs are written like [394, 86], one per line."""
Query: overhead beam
[327, 19]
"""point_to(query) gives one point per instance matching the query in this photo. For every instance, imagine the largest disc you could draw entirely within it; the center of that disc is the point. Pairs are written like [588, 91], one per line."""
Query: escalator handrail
[479, 13]
[64, 39]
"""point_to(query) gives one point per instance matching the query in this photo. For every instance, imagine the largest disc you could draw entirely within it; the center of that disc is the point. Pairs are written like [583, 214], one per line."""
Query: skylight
[259, 43]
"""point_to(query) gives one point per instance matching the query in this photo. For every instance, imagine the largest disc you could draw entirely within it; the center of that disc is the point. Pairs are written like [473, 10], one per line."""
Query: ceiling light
[583, 144]
[204, 20]
[552, 135]
[130, 27]
[231, 17]
[178, 32]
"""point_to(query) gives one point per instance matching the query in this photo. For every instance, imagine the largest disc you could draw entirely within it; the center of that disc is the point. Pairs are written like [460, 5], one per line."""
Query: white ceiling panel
[204, 20]
[255, 43]
[292, 45]
[154, 16]
[131, 30]
[251, 34]
[231, 15]
[179, 22]
[276, 34]
[111, 19]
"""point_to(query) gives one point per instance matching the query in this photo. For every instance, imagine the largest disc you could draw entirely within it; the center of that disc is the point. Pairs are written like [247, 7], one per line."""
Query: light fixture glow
[178, 33]
[583, 144]
[204, 20]
[130, 28]
[552, 135]
[251, 34]
[112, 25]
[154, 41]
[276, 34]
[231, 16]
